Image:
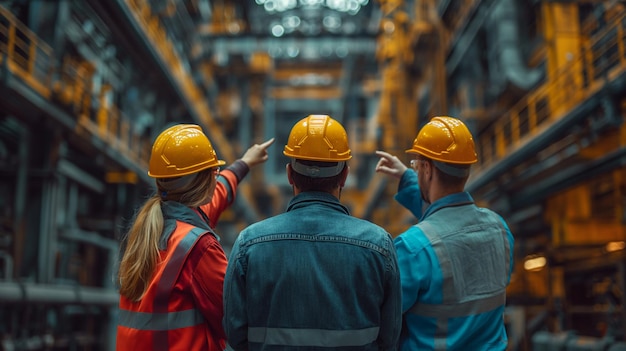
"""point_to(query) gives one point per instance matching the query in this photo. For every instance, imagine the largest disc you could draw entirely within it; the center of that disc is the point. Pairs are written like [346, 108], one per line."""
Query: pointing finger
[266, 144]
[384, 154]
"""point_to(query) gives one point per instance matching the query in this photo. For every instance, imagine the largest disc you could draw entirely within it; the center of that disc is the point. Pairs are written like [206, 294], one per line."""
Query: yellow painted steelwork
[198, 105]
[589, 213]
[429, 41]
[121, 177]
[401, 44]
[562, 34]
[30, 59]
[24, 54]
[224, 20]
[397, 113]
[562, 92]
[157, 36]
[261, 63]
[460, 18]
[73, 88]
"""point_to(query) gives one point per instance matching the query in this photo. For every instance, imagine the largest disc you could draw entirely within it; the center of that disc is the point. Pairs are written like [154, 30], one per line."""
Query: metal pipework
[11, 292]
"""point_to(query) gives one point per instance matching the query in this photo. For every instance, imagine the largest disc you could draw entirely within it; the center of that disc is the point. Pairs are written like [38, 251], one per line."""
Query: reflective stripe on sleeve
[160, 321]
[460, 309]
[313, 337]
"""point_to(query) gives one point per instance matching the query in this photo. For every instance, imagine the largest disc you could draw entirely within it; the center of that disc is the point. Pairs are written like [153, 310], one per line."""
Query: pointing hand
[257, 153]
[390, 165]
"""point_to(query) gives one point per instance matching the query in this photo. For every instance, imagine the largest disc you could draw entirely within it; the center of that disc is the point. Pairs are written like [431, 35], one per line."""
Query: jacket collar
[175, 211]
[456, 199]
[316, 197]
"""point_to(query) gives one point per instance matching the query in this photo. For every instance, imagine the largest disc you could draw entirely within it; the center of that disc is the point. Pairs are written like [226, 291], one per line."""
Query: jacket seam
[315, 238]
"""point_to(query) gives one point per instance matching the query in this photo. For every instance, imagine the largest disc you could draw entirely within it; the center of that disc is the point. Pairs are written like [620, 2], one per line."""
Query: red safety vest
[166, 318]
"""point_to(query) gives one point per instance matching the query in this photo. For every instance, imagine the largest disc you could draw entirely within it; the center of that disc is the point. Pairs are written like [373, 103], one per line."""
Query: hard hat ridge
[318, 138]
[181, 150]
[445, 139]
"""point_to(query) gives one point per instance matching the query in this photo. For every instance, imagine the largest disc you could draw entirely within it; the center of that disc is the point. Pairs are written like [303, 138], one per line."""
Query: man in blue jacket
[314, 277]
[456, 263]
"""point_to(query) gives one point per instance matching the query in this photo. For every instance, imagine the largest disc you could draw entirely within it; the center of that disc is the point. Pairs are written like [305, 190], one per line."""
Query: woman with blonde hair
[172, 269]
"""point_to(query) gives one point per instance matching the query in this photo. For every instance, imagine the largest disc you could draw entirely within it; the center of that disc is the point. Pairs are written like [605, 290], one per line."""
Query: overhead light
[388, 26]
[275, 51]
[291, 22]
[535, 263]
[615, 246]
[311, 79]
[341, 52]
[332, 23]
[278, 30]
[293, 51]
[351, 7]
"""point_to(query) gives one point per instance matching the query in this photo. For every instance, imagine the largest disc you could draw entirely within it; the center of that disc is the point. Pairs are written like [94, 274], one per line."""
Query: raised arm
[229, 178]
[409, 194]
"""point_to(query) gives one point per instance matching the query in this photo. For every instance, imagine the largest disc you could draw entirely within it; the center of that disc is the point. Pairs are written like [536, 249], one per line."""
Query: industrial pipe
[11, 292]
[505, 48]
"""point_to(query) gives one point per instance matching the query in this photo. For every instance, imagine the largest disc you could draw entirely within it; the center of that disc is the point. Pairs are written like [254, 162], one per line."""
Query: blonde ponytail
[141, 255]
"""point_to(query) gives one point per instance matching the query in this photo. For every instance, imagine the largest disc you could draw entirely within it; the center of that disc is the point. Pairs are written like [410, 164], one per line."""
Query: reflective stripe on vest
[160, 321]
[450, 308]
[166, 284]
[460, 309]
[313, 337]
[449, 294]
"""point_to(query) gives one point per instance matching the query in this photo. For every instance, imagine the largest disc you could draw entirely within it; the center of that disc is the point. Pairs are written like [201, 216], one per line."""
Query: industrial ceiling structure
[85, 87]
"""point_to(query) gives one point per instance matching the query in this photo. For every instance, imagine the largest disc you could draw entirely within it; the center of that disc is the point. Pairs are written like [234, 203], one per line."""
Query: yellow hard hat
[181, 150]
[445, 139]
[318, 138]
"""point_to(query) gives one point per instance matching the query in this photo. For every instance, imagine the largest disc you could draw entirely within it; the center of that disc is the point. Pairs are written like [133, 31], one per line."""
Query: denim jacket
[313, 278]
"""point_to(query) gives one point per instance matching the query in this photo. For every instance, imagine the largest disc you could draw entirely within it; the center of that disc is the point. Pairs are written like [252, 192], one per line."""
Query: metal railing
[32, 60]
[601, 60]
[24, 54]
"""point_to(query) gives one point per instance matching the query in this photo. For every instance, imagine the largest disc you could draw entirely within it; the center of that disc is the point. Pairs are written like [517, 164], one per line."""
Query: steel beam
[321, 45]
[442, 7]
[461, 43]
[571, 176]
[75, 173]
[308, 106]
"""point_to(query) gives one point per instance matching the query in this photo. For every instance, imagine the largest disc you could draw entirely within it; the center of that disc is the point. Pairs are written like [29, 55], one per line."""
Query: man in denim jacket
[314, 277]
[456, 262]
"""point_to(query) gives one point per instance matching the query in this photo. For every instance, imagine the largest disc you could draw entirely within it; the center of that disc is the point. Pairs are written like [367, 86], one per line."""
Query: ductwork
[507, 64]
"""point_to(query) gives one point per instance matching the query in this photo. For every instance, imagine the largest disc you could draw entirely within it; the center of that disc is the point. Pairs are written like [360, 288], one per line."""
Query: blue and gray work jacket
[313, 278]
[455, 265]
